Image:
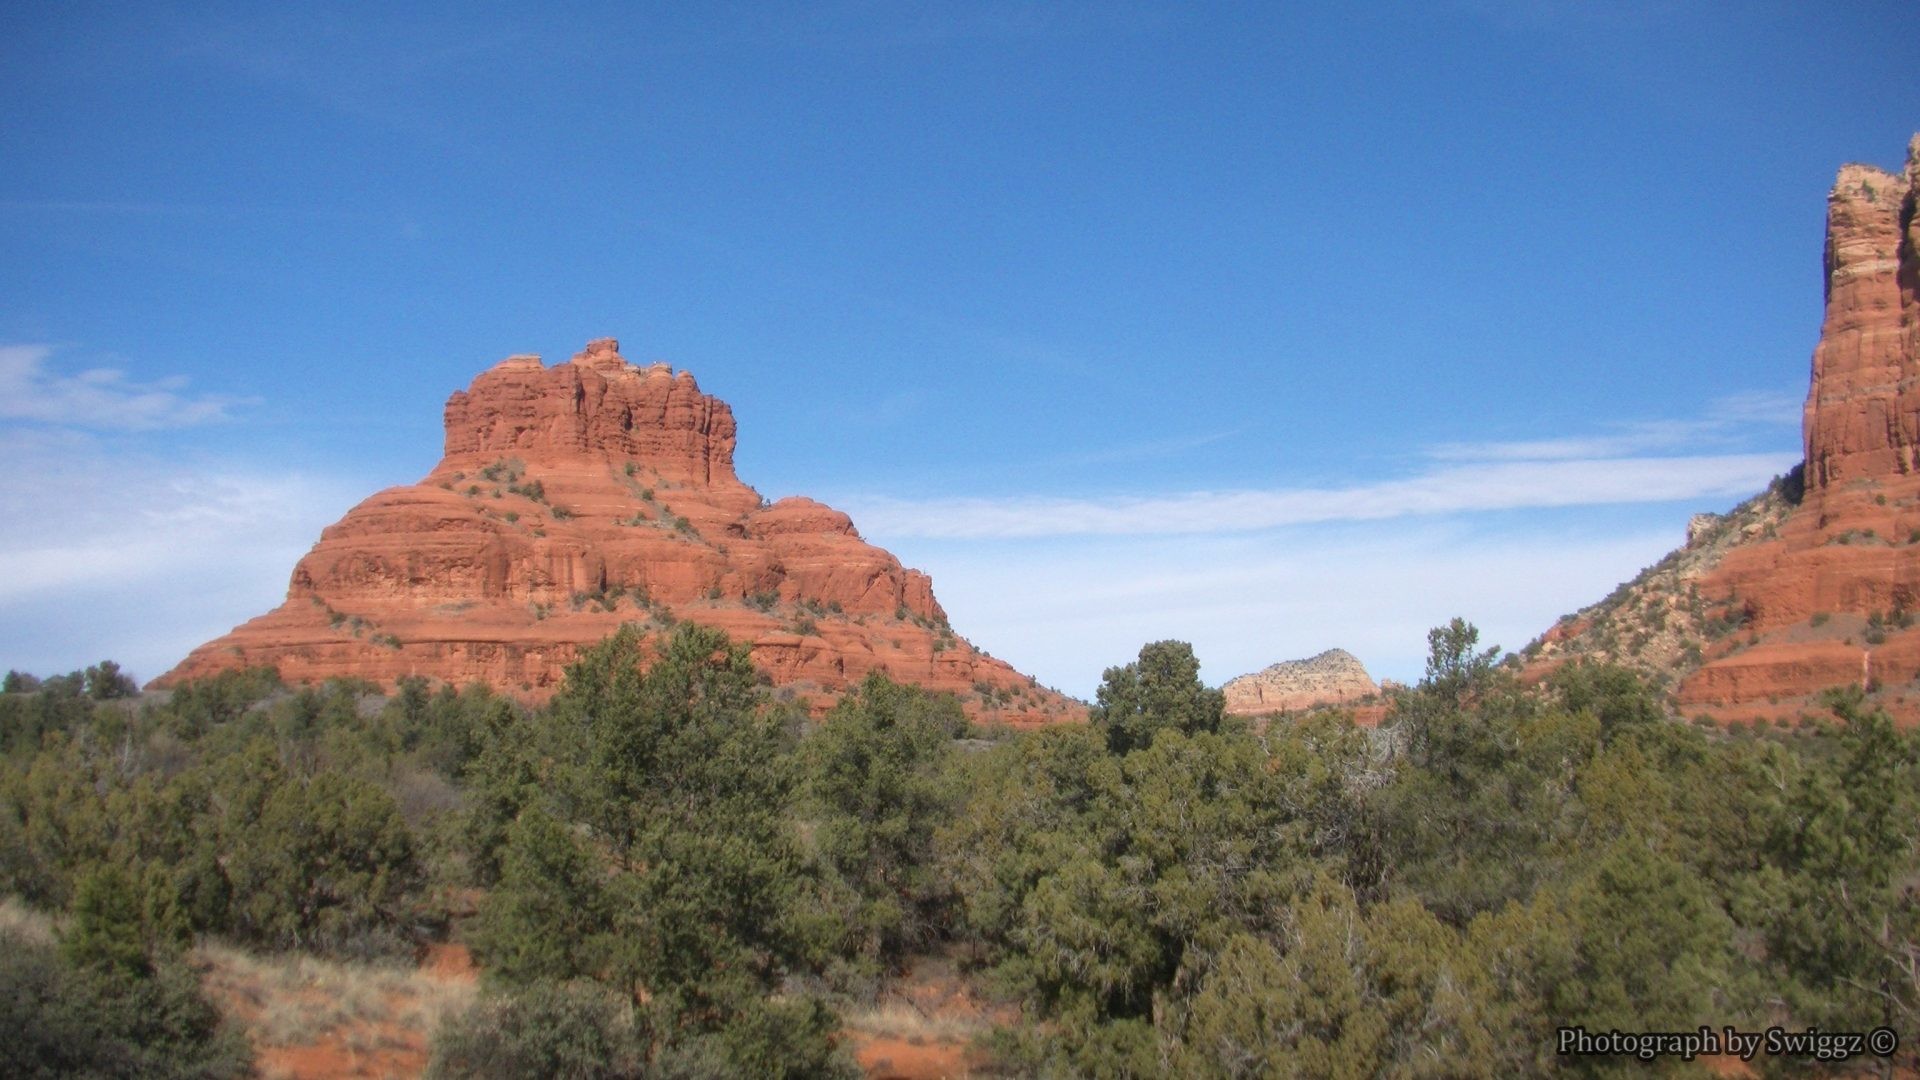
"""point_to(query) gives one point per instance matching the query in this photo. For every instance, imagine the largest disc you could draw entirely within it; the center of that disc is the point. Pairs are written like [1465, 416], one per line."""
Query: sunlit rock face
[1335, 677]
[1779, 602]
[574, 498]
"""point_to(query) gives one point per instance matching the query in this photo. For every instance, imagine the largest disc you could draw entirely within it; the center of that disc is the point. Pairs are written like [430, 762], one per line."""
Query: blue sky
[1270, 329]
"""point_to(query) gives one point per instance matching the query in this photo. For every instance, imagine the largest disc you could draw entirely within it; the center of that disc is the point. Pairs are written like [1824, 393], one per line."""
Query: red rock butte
[574, 498]
[1799, 598]
[1826, 594]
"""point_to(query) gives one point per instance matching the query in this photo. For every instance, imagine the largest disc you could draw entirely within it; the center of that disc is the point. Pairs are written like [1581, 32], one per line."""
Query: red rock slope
[1848, 555]
[577, 497]
[1797, 598]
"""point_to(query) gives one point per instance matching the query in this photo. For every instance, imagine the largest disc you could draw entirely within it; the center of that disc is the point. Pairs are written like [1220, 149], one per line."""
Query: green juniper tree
[696, 897]
[1160, 691]
[876, 782]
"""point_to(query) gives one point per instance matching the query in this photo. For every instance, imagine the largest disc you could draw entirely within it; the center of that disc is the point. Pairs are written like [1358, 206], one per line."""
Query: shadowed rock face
[1334, 677]
[574, 498]
[1794, 599]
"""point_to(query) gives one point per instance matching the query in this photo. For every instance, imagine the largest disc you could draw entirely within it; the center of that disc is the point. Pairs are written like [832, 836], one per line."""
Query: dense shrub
[83, 1018]
[567, 1031]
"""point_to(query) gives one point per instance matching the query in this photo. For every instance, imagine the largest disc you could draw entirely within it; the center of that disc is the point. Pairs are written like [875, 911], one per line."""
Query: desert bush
[67, 1019]
[570, 1031]
[329, 865]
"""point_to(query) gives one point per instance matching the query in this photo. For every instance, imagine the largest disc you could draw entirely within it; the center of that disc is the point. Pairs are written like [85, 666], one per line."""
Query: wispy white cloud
[1723, 423]
[1758, 407]
[1065, 610]
[1632, 462]
[1064, 587]
[100, 397]
[1481, 486]
[139, 558]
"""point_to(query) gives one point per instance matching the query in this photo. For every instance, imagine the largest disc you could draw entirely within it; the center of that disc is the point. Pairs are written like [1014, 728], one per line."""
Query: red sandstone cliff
[1779, 601]
[574, 498]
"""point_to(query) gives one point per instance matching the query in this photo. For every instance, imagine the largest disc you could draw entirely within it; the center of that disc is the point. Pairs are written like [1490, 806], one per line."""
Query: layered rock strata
[574, 498]
[1817, 583]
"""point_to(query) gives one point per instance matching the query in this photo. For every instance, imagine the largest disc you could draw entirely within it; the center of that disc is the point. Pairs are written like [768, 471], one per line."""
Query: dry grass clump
[306, 1016]
[22, 921]
[893, 1018]
[293, 1000]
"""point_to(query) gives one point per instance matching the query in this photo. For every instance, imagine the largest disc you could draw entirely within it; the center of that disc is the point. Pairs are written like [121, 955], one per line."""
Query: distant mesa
[1814, 583]
[574, 498]
[1334, 677]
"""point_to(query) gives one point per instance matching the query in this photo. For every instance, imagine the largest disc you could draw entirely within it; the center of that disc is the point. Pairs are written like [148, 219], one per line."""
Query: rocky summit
[574, 498]
[1334, 677]
[1815, 583]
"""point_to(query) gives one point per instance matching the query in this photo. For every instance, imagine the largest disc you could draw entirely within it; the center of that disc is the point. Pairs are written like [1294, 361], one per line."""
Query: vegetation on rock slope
[1658, 625]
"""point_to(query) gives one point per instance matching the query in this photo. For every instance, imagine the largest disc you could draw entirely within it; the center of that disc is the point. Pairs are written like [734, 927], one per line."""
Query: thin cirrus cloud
[139, 557]
[114, 552]
[114, 549]
[1066, 610]
[1639, 462]
[1724, 422]
[100, 397]
[1063, 587]
[113, 522]
[1480, 486]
